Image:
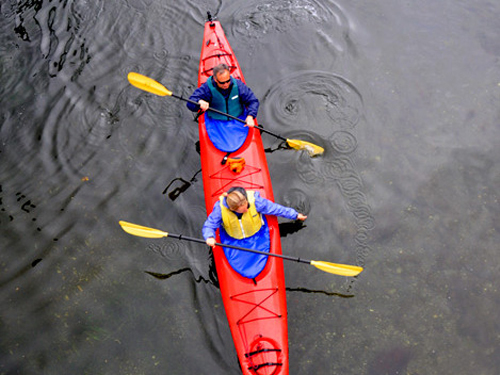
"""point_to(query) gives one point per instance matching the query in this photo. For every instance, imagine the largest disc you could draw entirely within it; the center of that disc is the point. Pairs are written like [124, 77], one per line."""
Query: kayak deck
[255, 308]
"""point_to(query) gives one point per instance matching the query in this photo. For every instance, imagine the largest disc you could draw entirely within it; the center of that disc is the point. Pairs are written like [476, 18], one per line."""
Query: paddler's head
[236, 200]
[222, 76]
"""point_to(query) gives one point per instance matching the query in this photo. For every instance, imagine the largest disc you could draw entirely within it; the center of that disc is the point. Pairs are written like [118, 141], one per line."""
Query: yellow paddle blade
[337, 269]
[139, 230]
[148, 84]
[311, 148]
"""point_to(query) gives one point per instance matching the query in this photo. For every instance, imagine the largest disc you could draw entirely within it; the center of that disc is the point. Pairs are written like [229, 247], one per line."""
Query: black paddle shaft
[230, 116]
[287, 257]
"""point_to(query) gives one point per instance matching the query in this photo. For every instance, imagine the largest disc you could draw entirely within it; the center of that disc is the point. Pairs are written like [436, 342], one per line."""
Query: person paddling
[239, 216]
[227, 94]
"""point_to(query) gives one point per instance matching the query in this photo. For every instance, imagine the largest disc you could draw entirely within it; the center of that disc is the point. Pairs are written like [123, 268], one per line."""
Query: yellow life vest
[247, 226]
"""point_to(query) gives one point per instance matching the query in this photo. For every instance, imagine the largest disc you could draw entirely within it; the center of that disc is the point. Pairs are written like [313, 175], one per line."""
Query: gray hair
[220, 68]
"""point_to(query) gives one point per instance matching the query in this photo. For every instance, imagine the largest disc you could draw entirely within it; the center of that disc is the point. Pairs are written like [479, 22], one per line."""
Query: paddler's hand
[250, 122]
[210, 242]
[301, 217]
[203, 105]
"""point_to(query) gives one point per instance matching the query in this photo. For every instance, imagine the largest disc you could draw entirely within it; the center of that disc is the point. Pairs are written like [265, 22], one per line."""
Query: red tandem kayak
[255, 308]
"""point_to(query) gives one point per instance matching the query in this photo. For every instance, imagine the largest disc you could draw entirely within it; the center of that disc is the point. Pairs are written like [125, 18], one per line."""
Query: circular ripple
[335, 168]
[343, 142]
[171, 251]
[316, 99]
[96, 103]
[298, 200]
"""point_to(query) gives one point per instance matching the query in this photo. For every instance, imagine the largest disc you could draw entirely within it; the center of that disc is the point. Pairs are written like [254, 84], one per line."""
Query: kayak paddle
[337, 269]
[150, 85]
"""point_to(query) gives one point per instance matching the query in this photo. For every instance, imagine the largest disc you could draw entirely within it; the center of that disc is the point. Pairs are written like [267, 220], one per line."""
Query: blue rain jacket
[226, 135]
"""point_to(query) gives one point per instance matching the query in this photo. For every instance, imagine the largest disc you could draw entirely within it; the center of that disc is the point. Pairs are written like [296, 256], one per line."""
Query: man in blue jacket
[239, 216]
[226, 94]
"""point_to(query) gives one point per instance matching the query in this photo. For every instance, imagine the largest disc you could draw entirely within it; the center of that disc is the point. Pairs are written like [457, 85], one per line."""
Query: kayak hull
[255, 308]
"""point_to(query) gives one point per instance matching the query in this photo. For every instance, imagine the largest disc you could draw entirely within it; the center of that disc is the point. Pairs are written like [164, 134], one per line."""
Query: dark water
[403, 96]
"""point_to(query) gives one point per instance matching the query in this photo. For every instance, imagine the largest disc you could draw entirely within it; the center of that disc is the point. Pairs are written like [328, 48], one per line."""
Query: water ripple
[281, 16]
[318, 25]
[332, 107]
[170, 251]
[307, 97]
[297, 199]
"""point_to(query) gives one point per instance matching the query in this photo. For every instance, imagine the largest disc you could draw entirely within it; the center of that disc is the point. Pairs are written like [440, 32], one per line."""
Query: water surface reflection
[402, 97]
